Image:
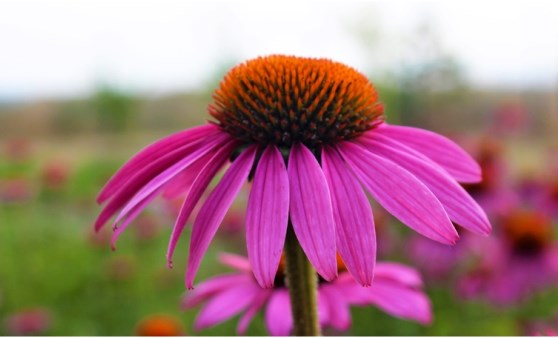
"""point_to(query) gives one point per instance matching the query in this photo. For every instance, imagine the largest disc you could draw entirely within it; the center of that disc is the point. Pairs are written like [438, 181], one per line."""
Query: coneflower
[309, 134]
[397, 290]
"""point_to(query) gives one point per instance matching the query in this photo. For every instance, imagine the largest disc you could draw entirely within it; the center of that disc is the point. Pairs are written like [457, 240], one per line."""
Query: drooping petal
[204, 154]
[339, 312]
[196, 191]
[185, 156]
[398, 272]
[311, 211]
[236, 262]
[400, 193]
[214, 209]
[226, 304]
[212, 286]
[356, 237]
[181, 184]
[278, 315]
[440, 149]
[460, 207]
[139, 180]
[129, 217]
[253, 308]
[267, 216]
[151, 153]
[401, 301]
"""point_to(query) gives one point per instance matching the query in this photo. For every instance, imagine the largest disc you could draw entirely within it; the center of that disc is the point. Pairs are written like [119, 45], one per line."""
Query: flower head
[518, 262]
[284, 100]
[396, 290]
[34, 321]
[309, 135]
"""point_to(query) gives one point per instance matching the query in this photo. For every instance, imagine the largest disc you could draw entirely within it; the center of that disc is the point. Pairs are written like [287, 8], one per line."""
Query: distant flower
[33, 321]
[55, 175]
[396, 290]
[160, 325]
[16, 190]
[493, 192]
[17, 150]
[521, 259]
[307, 133]
[541, 327]
[510, 118]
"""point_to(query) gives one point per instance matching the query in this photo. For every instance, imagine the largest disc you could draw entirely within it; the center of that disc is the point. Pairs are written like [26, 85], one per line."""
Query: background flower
[396, 290]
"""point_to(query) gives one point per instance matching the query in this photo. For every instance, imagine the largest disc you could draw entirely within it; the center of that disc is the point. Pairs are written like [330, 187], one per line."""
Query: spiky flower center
[528, 232]
[285, 99]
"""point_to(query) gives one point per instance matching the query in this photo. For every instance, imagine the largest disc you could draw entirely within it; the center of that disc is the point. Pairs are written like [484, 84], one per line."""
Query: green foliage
[114, 109]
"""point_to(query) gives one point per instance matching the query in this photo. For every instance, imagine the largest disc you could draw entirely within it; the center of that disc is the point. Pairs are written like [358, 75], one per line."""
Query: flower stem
[302, 282]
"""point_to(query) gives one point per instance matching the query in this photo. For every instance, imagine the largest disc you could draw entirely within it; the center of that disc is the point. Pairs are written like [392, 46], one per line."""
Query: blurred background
[85, 84]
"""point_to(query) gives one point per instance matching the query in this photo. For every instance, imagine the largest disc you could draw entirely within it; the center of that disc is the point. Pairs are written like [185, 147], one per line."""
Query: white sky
[63, 48]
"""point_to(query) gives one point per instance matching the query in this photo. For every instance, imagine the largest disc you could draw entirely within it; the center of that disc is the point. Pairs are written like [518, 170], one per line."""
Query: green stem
[302, 282]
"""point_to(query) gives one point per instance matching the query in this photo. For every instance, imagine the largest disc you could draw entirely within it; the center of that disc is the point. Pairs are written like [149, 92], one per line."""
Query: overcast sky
[64, 48]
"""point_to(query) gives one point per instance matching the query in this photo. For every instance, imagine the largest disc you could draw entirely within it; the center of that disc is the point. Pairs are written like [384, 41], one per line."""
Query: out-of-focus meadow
[59, 277]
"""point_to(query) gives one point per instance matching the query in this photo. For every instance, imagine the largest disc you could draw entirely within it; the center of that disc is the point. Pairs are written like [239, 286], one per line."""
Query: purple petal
[267, 216]
[152, 153]
[147, 173]
[182, 183]
[237, 262]
[278, 315]
[356, 238]
[400, 193]
[311, 211]
[214, 209]
[438, 148]
[129, 217]
[400, 301]
[212, 286]
[460, 207]
[226, 304]
[339, 312]
[253, 308]
[203, 154]
[352, 292]
[323, 309]
[398, 272]
[196, 191]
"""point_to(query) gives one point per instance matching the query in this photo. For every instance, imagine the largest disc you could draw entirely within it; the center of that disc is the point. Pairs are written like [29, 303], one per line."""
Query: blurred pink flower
[309, 150]
[396, 290]
[541, 327]
[16, 190]
[55, 175]
[519, 261]
[32, 321]
[17, 150]
[510, 118]
[493, 192]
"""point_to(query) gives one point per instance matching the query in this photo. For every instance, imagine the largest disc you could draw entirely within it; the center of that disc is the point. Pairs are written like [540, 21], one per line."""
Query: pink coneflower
[309, 134]
[32, 321]
[521, 260]
[396, 290]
